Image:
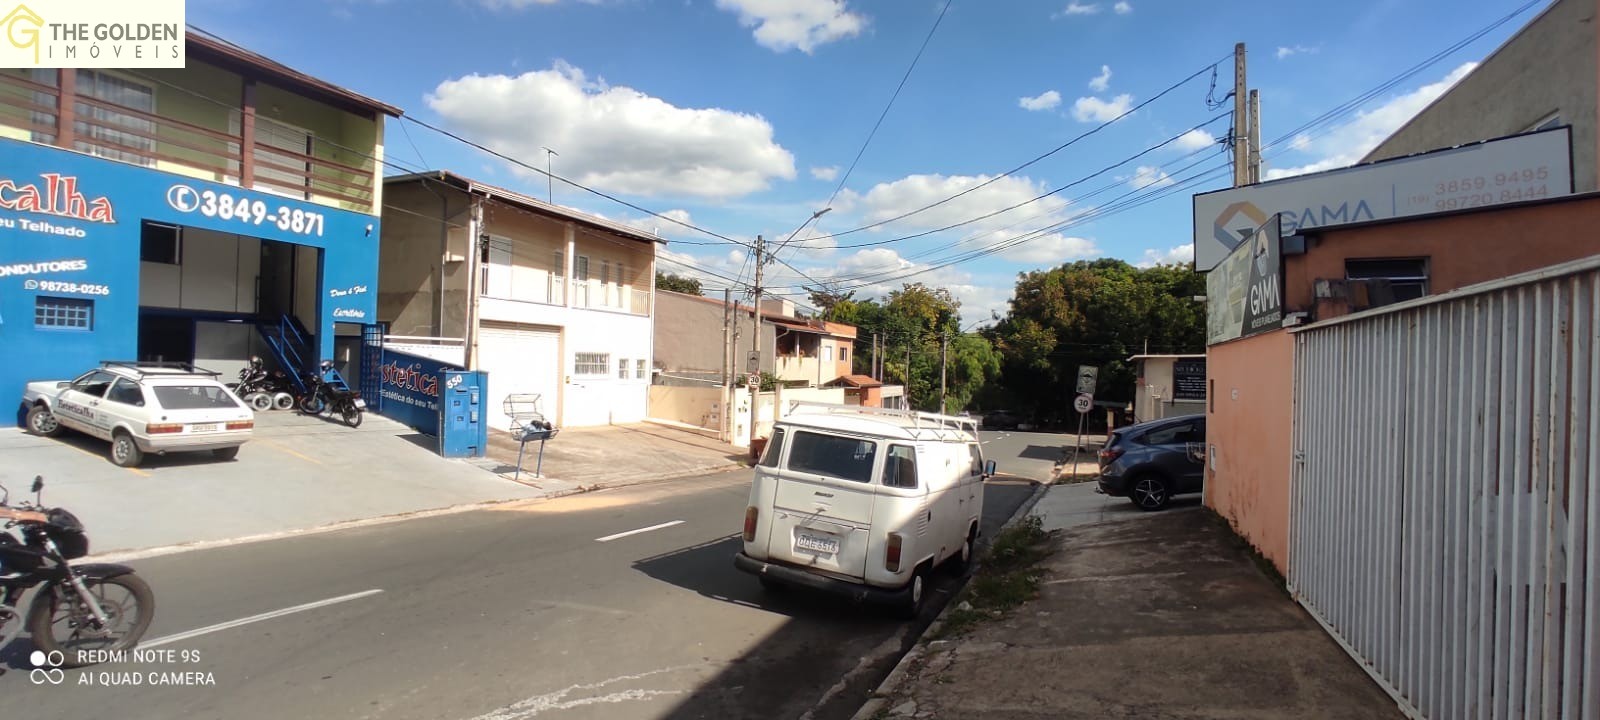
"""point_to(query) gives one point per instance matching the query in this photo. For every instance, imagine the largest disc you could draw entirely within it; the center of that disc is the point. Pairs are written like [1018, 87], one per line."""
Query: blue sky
[740, 116]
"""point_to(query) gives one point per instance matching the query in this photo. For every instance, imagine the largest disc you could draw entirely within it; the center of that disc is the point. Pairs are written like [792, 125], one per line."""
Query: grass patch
[1008, 576]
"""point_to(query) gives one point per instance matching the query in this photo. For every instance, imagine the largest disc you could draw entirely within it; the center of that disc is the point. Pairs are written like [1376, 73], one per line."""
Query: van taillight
[891, 557]
[751, 515]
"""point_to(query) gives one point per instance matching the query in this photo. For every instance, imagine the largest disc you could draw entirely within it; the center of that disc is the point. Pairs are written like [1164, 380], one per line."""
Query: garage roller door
[520, 359]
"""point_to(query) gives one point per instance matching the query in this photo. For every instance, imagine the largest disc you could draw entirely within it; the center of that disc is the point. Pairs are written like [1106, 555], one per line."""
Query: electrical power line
[837, 189]
[1169, 89]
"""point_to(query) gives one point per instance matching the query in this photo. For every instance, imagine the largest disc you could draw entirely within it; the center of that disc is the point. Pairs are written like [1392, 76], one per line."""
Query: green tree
[678, 283]
[828, 296]
[1100, 313]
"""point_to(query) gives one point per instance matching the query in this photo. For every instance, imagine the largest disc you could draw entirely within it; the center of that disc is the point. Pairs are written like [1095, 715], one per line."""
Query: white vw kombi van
[864, 502]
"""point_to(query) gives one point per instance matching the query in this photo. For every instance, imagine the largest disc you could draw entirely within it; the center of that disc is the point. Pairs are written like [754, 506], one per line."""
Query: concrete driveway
[297, 473]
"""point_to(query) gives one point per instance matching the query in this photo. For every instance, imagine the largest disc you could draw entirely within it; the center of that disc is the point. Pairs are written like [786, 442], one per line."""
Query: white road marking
[609, 538]
[539, 704]
[257, 618]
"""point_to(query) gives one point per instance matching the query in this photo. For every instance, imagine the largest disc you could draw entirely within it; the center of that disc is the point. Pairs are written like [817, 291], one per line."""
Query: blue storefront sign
[409, 389]
[70, 230]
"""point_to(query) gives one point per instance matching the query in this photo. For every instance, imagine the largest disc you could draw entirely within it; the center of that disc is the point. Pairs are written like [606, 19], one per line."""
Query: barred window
[63, 313]
[592, 363]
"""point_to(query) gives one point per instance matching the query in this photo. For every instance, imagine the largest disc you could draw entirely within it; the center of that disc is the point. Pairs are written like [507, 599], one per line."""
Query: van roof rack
[144, 368]
[920, 420]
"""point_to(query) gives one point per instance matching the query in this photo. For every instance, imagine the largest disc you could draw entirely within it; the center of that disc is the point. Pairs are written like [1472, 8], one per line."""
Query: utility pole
[725, 428]
[755, 340]
[549, 178]
[873, 371]
[944, 358]
[477, 248]
[1241, 121]
[1255, 136]
[909, 404]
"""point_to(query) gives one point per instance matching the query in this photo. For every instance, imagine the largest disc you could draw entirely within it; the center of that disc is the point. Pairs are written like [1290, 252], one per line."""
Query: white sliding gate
[1445, 516]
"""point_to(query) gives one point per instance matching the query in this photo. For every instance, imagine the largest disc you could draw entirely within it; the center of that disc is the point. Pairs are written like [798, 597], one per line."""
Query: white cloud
[893, 199]
[1122, 8]
[1093, 109]
[782, 25]
[1100, 82]
[1180, 255]
[887, 271]
[1147, 176]
[1194, 140]
[1077, 8]
[1052, 250]
[1347, 144]
[612, 137]
[1284, 52]
[826, 174]
[1043, 101]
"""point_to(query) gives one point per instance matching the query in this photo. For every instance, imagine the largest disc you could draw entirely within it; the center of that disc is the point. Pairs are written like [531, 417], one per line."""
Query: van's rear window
[193, 397]
[841, 457]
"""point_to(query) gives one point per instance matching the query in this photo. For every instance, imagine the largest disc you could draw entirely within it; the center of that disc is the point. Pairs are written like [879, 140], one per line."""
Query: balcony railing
[298, 167]
[593, 294]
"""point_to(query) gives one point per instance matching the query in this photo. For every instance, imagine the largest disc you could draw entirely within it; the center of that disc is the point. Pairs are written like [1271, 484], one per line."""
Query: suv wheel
[1150, 492]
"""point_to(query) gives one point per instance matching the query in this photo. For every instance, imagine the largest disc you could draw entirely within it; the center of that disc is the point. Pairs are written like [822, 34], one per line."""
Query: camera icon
[47, 667]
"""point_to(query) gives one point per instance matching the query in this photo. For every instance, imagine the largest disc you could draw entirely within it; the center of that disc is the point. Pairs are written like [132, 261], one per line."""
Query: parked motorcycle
[262, 390]
[328, 392]
[78, 611]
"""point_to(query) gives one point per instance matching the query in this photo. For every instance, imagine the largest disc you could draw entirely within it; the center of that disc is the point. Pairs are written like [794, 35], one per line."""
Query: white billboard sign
[1514, 169]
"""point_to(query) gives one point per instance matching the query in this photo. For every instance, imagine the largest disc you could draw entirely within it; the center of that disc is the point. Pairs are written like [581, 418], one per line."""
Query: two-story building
[201, 214]
[548, 300]
[692, 346]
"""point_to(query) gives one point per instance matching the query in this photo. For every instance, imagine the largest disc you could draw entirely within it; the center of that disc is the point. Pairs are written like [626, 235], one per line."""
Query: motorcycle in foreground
[328, 392]
[78, 611]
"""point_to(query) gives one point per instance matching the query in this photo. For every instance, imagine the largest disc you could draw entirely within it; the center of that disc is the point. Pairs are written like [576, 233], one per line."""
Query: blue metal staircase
[290, 345]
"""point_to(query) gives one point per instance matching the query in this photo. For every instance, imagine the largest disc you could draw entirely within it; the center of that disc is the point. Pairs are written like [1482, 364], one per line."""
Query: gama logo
[1237, 222]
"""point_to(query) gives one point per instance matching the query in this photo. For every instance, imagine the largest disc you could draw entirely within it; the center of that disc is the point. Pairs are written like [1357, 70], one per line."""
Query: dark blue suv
[1150, 462]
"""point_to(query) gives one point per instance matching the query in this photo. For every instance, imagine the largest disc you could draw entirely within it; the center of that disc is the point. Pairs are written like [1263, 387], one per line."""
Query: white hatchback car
[143, 408]
[864, 502]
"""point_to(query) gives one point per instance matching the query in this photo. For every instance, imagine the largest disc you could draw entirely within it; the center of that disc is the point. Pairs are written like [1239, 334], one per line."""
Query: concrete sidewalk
[1149, 615]
[297, 473]
[591, 458]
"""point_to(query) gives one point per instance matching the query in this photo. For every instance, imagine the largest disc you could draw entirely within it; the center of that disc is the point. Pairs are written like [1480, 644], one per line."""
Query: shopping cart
[528, 423]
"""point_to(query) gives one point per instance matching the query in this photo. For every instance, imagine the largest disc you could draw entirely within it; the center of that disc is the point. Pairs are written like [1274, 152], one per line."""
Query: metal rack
[155, 368]
[528, 423]
[922, 423]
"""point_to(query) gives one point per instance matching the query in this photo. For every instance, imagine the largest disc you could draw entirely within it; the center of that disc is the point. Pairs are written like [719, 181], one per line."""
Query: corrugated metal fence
[1446, 521]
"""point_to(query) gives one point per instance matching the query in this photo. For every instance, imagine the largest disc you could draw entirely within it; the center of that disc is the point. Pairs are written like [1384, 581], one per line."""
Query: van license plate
[205, 427]
[817, 544]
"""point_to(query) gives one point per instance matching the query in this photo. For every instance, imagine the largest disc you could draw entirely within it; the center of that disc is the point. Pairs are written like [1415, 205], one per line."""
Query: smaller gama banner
[1244, 294]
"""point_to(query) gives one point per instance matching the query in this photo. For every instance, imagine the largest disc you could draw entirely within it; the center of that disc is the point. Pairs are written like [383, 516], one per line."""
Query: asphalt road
[505, 614]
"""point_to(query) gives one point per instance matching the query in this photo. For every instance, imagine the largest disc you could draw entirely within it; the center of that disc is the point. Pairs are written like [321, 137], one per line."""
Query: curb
[879, 698]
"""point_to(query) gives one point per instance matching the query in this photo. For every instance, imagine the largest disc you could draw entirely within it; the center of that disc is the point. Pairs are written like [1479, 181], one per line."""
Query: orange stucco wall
[1248, 430]
[1461, 249]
